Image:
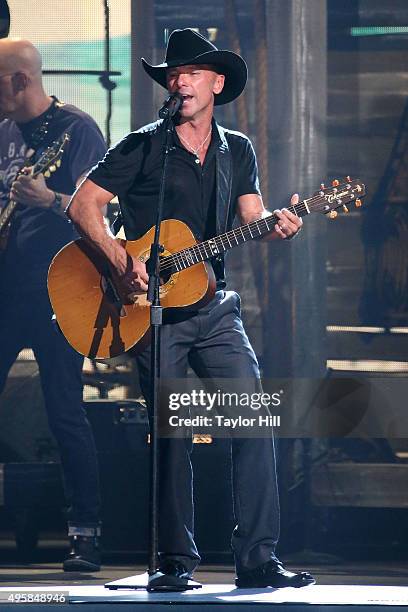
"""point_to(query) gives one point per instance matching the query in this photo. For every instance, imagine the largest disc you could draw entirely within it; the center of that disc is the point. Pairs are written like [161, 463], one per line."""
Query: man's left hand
[289, 224]
[32, 191]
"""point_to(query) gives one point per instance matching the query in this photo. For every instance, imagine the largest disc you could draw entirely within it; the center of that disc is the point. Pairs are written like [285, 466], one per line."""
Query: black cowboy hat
[187, 47]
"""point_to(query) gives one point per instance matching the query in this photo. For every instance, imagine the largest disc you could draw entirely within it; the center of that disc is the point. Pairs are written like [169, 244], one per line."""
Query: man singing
[212, 175]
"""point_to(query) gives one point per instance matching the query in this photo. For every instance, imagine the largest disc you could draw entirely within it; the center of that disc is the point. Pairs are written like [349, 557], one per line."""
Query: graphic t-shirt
[37, 234]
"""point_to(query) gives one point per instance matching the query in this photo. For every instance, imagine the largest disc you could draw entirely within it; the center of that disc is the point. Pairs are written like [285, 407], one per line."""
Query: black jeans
[213, 342]
[25, 321]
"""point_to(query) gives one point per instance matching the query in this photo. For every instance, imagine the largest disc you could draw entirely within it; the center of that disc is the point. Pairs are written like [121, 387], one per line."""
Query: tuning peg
[358, 203]
[348, 179]
[333, 214]
[58, 163]
[335, 183]
[345, 209]
[322, 186]
[52, 168]
[47, 174]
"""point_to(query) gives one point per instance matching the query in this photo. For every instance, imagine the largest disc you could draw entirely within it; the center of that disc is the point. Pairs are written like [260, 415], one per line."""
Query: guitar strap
[39, 136]
[117, 223]
[223, 183]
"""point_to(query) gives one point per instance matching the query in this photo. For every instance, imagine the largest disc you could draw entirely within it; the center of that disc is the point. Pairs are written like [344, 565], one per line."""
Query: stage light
[378, 30]
[360, 329]
[368, 365]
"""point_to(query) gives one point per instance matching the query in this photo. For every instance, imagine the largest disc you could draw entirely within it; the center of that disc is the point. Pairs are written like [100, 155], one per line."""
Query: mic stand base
[159, 582]
[138, 581]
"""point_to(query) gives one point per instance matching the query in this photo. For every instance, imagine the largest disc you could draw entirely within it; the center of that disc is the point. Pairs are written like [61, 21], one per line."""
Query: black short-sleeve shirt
[132, 171]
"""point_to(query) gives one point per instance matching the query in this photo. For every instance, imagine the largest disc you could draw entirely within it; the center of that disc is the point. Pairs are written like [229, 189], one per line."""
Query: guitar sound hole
[164, 274]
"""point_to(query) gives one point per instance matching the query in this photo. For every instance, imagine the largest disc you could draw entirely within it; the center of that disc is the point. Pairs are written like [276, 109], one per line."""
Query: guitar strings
[186, 255]
[201, 248]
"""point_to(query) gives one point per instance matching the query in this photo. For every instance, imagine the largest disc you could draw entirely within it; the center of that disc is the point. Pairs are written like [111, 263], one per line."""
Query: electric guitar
[48, 163]
[98, 323]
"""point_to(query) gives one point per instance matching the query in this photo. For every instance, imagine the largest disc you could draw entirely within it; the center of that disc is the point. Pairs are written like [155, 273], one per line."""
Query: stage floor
[368, 586]
[226, 595]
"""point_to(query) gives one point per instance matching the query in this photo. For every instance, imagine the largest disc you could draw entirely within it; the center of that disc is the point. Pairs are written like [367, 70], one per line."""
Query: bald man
[30, 121]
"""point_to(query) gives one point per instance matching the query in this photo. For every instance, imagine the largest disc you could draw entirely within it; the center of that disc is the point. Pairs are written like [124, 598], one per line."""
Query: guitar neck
[203, 251]
[48, 163]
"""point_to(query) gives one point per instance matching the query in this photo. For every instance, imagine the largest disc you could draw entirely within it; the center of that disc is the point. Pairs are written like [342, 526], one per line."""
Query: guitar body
[99, 324]
[90, 313]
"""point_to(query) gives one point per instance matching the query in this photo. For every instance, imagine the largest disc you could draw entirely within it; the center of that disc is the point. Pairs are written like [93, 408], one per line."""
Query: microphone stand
[157, 581]
[156, 320]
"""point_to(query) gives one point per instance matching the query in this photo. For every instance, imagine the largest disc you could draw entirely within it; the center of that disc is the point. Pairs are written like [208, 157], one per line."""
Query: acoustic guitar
[99, 324]
[48, 163]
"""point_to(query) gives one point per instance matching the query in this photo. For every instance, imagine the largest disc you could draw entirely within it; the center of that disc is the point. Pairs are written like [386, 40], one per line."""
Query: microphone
[171, 106]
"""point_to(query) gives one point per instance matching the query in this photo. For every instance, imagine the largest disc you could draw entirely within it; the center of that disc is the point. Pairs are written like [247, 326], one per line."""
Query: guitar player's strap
[223, 182]
[117, 223]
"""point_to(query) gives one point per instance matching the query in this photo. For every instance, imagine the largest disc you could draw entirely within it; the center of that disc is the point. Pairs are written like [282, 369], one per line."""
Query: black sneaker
[84, 555]
[272, 574]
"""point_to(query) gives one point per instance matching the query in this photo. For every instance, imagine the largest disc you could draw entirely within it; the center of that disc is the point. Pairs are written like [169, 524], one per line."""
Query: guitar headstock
[328, 199]
[50, 160]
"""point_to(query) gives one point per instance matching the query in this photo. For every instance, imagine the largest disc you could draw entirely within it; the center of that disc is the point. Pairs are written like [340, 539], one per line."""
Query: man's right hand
[85, 210]
[133, 281]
